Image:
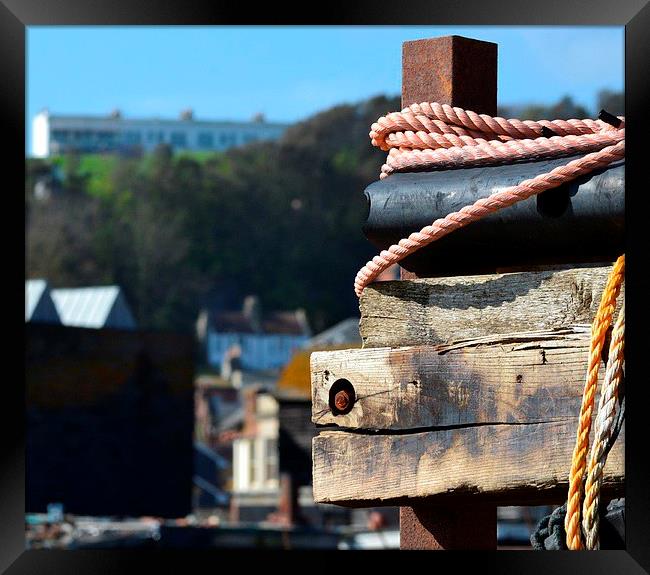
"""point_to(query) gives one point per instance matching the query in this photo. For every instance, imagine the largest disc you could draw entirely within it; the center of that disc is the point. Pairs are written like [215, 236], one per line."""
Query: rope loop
[430, 136]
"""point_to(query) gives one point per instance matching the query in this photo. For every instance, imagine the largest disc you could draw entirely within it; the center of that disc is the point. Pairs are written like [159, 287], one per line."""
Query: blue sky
[290, 73]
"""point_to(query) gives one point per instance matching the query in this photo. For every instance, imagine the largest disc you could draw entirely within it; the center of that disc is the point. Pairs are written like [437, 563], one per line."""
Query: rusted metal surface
[342, 400]
[451, 70]
[452, 527]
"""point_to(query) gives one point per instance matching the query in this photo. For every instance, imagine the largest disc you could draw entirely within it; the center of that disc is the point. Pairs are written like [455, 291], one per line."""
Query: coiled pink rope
[432, 135]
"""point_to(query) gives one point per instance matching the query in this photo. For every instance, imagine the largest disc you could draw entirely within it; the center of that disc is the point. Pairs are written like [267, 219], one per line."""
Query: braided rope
[599, 328]
[432, 135]
[480, 152]
[603, 428]
[484, 207]
[444, 119]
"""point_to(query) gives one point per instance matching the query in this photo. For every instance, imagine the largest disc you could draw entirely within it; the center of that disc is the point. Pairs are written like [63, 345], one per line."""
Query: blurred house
[54, 134]
[93, 307]
[216, 403]
[344, 332]
[272, 443]
[247, 339]
[39, 306]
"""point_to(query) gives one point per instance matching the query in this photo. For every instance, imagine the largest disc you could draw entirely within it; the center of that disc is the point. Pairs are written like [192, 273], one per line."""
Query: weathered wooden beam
[509, 464]
[440, 310]
[493, 417]
[513, 378]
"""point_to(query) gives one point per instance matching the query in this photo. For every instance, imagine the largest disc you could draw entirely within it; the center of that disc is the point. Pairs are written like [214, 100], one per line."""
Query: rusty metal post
[448, 527]
[451, 70]
[460, 72]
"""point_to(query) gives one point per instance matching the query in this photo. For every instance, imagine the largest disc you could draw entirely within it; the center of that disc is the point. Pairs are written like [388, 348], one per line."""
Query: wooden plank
[440, 310]
[512, 464]
[513, 378]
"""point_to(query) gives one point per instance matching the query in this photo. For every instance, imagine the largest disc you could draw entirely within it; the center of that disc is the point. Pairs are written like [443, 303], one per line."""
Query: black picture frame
[15, 15]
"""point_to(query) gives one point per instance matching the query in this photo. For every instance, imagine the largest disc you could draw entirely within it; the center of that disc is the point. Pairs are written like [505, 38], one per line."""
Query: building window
[105, 136]
[179, 139]
[272, 472]
[60, 135]
[206, 140]
[132, 137]
[252, 471]
[228, 139]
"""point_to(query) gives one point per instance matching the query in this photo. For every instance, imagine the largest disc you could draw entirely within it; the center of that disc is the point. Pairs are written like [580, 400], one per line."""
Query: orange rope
[599, 328]
[604, 424]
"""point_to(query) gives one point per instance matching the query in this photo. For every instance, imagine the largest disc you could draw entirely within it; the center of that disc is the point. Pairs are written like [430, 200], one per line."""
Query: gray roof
[39, 306]
[126, 121]
[93, 307]
[346, 331]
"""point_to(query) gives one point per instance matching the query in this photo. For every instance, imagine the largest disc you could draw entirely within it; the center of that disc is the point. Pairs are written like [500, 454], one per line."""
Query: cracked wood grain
[443, 310]
[511, 464]
[513, 378]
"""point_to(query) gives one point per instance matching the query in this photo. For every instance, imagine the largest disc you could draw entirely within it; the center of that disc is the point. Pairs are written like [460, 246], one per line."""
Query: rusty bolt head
[342, 400]
[341, 397]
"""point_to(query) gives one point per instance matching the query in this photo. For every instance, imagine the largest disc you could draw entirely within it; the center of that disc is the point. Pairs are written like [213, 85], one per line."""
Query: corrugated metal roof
[343, 332]
[89, 306]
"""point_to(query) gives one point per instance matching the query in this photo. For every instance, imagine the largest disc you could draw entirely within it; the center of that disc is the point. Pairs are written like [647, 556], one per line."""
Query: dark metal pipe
[579, 222]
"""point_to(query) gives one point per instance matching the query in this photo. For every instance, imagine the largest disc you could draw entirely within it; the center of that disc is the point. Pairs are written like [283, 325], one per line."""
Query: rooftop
[93, 307]
[251, 319]
[116, 117]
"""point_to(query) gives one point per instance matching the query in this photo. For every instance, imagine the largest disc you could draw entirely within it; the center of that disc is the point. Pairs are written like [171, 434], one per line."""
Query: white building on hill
[57, 134]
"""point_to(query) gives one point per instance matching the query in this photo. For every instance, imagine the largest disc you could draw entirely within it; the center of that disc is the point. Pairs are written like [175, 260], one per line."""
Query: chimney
[301, 318]
[252, 311]
[187, 114]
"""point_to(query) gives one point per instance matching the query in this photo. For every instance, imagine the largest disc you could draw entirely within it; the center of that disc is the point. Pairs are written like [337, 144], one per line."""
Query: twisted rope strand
[442, 118]
[599, 328]
[432, 135]
[603, 427]
[484, 207]
[476, 151]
